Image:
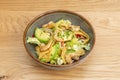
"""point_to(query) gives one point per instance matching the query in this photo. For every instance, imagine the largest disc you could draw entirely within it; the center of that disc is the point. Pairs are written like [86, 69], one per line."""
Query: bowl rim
[50, 12]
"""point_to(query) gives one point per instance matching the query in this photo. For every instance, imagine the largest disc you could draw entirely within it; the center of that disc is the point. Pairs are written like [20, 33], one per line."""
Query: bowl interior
[55, 16]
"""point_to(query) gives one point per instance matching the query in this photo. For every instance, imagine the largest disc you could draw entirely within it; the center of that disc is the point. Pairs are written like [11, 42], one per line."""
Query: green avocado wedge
[41, 35]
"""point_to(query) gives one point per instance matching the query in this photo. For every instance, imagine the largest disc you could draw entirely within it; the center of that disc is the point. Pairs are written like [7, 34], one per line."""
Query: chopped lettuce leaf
[70, 51]
[79, 46]
[72, 42]
[87, 46]
[43, 60]
[76, 47]
[59, 61]
[53, 62]
[33, 40]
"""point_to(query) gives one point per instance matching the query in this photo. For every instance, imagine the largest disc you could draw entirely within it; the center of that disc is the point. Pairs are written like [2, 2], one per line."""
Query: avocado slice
[55, 51]
[41, 35]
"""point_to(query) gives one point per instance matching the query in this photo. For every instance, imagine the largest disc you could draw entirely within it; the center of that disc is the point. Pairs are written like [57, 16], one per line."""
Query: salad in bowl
[60, 42]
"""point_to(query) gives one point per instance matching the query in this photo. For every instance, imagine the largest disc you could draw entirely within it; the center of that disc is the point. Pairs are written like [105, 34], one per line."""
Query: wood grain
[75, 5]
[102, 64]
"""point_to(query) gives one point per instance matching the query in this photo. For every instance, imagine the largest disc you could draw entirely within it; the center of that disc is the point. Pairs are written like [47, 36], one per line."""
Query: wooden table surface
[102, 64]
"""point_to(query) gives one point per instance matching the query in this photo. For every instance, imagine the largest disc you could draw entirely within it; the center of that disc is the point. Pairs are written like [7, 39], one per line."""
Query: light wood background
[102, 64]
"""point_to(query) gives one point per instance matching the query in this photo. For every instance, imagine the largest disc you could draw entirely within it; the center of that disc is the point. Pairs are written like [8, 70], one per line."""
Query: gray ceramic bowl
[44, 18]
